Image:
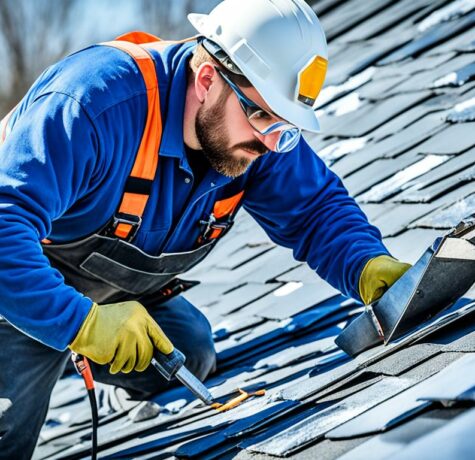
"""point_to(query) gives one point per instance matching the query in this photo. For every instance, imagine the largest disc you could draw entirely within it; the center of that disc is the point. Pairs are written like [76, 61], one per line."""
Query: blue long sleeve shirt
[70, 146]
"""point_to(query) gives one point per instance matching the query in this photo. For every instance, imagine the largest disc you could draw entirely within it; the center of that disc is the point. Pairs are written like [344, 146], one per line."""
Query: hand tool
[442, 274]
[173, 365]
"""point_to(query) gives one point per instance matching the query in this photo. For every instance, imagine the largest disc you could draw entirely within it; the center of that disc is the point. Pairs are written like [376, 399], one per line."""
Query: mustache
[253, 146]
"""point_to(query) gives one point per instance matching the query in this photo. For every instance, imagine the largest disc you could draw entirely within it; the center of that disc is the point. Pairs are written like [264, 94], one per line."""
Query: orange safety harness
[128, 217]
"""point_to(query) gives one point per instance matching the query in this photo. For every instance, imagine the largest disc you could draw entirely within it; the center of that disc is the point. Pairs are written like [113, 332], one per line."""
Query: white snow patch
[331, 92]
[341, 148]
[389, 186]
[454, 10]
[288, 288]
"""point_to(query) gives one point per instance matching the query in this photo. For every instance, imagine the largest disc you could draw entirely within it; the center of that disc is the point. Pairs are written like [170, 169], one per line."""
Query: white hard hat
[279, 46]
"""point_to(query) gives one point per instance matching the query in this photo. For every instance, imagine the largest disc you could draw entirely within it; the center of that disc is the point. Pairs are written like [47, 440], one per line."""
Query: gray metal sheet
[464, 343]
[452, 382]
[409, 245]
[440, 188]
[274, 306]
[457, 77]
[384, 445]
[392, 185]
[378, 171]
[453, 440]
[392, 15]
[402, 120]
[431, 38]
[348, 14]
[448, 216]
[452, 140]
[239, 297]
[313, 385]
[442, 274]
[360, 335]
[424, 79]
[400, 218]
[463, 308]
[371, 116]
[387, 414]
[315, 427]
[456, 164]
[403, 360]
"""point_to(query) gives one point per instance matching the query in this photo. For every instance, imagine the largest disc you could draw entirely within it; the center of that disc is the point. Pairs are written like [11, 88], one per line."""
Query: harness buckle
[214, 228]
[128, 219]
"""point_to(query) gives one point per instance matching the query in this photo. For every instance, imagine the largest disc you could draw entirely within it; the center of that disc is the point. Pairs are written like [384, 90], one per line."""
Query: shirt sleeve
[46, 164]
[303, 205]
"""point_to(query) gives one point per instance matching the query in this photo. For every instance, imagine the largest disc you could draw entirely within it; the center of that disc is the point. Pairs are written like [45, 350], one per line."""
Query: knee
[198, 347]
[194, 338]
[190, 332]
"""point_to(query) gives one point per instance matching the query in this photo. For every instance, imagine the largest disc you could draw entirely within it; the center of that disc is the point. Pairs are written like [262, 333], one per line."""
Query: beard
[214, 141]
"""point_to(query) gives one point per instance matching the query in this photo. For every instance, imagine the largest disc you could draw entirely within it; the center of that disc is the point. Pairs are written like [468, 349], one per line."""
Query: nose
[269, 140]
[260, 137]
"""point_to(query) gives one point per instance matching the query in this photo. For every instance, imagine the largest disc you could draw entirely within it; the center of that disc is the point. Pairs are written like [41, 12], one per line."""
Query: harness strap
[221, 219]
[139, 184]
[128, 218]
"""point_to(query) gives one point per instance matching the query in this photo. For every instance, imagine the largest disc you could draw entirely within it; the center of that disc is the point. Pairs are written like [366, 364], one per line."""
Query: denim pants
[29, 371]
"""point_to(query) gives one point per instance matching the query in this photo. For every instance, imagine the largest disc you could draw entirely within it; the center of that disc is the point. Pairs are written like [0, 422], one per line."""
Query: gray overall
[107, 270]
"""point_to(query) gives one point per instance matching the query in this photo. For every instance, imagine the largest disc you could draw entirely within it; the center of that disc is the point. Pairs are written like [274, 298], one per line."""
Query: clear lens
[261, 120]
[281, 136]
[288, 139]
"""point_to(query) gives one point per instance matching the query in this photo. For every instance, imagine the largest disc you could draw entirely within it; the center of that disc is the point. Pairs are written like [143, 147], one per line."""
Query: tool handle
[169, 364]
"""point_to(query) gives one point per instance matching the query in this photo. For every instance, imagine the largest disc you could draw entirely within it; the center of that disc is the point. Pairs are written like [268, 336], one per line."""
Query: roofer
[109, 188]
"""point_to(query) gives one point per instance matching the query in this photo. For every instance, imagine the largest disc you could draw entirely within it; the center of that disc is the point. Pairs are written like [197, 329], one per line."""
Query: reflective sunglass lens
[288, 139]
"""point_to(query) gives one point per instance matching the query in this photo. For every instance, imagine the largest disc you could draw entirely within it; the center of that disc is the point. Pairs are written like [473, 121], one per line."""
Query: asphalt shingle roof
[397, 116]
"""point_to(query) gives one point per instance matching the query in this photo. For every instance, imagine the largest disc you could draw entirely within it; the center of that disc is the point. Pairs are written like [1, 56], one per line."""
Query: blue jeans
[29, 371]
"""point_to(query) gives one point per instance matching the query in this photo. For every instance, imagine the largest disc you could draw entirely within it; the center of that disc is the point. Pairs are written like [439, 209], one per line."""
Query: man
[95, 226]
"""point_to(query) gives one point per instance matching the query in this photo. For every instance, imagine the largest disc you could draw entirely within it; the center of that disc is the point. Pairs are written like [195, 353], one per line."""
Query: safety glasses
[280, 135]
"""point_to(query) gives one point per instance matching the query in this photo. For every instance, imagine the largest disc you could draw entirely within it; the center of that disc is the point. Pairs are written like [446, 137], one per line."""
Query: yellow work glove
[378, 275]
[121, 334]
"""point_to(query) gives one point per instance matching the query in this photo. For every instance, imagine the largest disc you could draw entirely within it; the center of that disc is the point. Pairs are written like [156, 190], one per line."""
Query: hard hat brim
[294, 112]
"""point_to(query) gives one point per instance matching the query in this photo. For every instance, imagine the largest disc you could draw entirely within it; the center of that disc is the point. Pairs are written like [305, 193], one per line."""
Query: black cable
[82, 366]
[95, 422]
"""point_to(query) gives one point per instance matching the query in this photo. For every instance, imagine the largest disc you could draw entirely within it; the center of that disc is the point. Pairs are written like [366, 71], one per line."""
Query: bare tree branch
[34, 34]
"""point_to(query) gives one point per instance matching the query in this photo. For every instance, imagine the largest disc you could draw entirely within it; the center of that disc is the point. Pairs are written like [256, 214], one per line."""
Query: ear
[205, 76]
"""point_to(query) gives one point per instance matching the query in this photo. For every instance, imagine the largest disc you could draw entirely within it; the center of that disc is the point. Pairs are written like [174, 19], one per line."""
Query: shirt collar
[173, 81]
